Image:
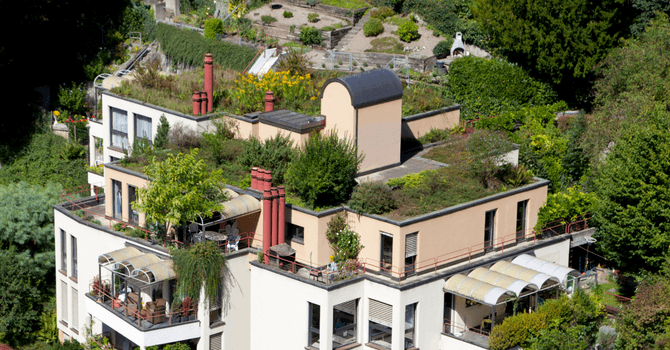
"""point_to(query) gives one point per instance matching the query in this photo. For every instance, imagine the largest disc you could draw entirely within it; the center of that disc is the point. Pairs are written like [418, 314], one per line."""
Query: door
[448, 305]
[521, 220]
[116, 189]
[489, 229]
[386, 258]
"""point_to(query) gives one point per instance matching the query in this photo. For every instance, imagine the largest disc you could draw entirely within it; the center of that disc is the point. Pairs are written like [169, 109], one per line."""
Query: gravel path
[423, 46]
[299, 16]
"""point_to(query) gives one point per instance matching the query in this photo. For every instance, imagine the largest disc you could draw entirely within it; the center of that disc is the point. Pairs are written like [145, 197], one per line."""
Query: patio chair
[233, 242]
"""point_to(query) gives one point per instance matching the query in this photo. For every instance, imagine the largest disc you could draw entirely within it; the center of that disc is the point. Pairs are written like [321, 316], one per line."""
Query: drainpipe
[196, 102]
[203, 102]
[209, 81]
[269, 101]
[254, 176]
[281, 220]
[267, 221]
[275, 212]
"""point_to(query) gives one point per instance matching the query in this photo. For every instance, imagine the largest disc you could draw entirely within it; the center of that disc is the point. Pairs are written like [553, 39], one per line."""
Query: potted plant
[186, 306]
[174, 313]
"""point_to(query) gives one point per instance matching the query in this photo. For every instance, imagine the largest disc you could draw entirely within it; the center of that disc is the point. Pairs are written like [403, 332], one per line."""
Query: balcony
[461, 337]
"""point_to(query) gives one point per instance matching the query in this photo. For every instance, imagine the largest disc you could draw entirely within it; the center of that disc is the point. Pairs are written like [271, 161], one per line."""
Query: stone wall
[351, 15]
[330, 39]
[421, 64]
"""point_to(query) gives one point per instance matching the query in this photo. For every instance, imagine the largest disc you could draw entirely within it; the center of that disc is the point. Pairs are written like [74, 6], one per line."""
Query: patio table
[215, 236]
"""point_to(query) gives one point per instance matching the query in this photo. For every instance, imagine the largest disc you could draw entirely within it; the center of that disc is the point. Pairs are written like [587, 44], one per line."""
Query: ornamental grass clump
[199, 264]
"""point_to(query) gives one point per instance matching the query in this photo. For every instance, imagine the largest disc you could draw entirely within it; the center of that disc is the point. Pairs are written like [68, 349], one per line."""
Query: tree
[557, 40]
[162, 133]
[643, 323]
[632, 213]
[180, 189]
[323, 172]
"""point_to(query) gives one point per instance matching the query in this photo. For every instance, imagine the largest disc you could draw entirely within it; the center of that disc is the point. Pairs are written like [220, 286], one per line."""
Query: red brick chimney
[196, 102]
[209, 81]
[267, 224]
[275, 216]
[269, 101]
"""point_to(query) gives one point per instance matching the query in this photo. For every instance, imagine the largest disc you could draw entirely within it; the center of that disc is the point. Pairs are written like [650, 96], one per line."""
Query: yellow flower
[56, 113]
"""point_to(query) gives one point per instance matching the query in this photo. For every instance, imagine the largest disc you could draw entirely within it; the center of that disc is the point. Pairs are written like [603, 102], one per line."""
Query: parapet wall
[418, 125]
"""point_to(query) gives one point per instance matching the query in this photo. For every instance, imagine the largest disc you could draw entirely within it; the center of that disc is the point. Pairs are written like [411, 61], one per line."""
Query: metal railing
[474, 335]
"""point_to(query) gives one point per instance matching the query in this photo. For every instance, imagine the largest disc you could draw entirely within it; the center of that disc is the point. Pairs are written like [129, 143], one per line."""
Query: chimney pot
[196, 102]
[203, 102]
[209, 81]
[269, 101]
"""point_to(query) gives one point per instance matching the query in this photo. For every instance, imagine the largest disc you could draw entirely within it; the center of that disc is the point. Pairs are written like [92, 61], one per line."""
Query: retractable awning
[503, 281]
[537, 278]
[239, 206]
[129, 265]
[479, 291]
[155, 272]
[541, 265]
[118, 255]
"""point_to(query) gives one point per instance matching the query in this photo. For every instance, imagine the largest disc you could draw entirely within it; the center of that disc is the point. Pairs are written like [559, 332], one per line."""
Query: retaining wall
[351, 15]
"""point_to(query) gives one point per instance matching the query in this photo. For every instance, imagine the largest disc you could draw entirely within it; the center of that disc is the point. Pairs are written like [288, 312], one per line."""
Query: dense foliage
[274, 154]
[197, 265]
[323, 172]
[372, 198]
[190, 48]
[632, 190]
[344, 241]
[564, 207]
[139, 17]
[213, 26]
[644, 323]
[310, 36]
[373, 27]
[490, 87]
[560, 41]
[443, 48]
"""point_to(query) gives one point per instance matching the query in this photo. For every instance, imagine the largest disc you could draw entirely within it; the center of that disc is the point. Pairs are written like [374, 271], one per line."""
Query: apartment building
[440, 280]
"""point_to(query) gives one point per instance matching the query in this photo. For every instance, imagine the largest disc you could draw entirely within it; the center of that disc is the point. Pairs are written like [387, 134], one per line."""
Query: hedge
[190, 48]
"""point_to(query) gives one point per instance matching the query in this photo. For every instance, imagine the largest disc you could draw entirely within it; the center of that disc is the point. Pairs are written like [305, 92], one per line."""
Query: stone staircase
[357, 28]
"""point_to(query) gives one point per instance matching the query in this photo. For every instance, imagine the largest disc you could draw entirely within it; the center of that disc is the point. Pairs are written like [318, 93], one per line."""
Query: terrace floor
[410, 164]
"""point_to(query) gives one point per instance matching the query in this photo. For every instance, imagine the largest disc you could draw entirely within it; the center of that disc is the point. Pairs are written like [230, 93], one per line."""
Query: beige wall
[340, 114]
[267, 131]
[418, 127]
[125, 179]
[378, 136]
[315, 245]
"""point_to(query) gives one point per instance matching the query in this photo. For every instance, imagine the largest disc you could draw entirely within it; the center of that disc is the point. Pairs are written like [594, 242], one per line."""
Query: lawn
[347, 4]
[387, 45]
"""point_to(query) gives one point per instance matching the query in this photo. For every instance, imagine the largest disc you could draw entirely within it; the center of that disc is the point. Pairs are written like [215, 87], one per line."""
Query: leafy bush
[273, 154]
[408, 31]
[490, 87]
[373, 27]
[190, 48]
[72, 99]
[517, 330]
[138, 17]
[443, 48]
[310, 36]
[564, 207]
[382, 13]
[323, 172]
[249, 33]
[162, 133]
[313, 17]
[408, 181]
[213, 26]
[268, 19]
[345, 242]
[295, 62]
[288, 14]
[372, 198]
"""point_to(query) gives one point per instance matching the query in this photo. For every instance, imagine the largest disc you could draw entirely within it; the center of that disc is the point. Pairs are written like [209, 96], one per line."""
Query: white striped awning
[503, 281]
[129, 265]
[537, 278]
[157, 272]
[541, 265]
[118, 255]
[239, 206]
[480, 291]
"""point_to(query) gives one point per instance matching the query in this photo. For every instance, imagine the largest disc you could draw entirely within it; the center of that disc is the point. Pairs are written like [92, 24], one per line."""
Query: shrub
[273, 154]
[565, 206]
[268, 19]
[161, 139]
[408, 181]
[288, 14]
[323, 172]
[190, 48]
[72, 99]
[249, 33]
[372, 198]
[383, 12]
[373, 27]
[310, 36]
[443, 48]
[327, 29]
[434, 135]
[291, 29]
[213, 26]
[517, 330]
[295, 62]
[313, 17]
[408, 31]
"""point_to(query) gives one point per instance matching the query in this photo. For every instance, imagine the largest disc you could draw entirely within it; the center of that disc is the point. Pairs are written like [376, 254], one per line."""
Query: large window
[117, 199]
[295, 233]
[521, 208]
[143, 128]
[119, 128]
[314, 325]
[489, 229]
[381, 318]
[386, 253]
[133, 215]
[63, 251]
[344, 323]
[410, 329]
[73, 241]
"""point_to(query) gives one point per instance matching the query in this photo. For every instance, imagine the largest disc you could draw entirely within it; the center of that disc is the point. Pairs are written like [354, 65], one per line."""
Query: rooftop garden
[295, 89]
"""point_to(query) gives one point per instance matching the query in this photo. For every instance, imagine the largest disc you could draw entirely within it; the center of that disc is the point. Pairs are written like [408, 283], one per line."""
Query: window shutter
[410, 244]
[348, 307]
[63, 300]
[381, 313]
[75, 309]
[215, 341]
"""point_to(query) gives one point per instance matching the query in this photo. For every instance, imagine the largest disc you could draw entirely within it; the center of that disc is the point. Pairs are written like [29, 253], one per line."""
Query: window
[143, 128]
[489, 230]
[215, 341]
[344, 323]
[410, 318]
[119, 128]
[296, 233]
[75, 309]
[314, 325]
[133, 215]
[410, 253]
[521, 208]
[63, 251]
[117, 199]
[386, 253]
[381, 318]
[73, 242]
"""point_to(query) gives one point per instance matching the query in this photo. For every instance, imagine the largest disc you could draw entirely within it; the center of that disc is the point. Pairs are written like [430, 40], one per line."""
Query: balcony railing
[472, 335]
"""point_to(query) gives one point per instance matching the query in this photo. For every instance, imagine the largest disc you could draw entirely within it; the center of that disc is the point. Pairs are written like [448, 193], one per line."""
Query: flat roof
[292, 121]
